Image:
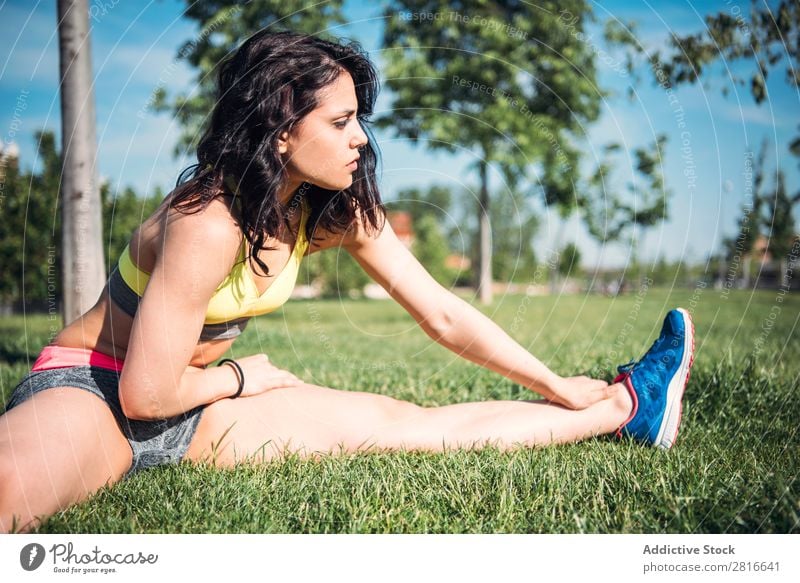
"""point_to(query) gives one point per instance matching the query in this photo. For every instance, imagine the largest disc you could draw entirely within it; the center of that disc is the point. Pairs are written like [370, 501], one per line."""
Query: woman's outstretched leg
[507, 424]
[310, 420]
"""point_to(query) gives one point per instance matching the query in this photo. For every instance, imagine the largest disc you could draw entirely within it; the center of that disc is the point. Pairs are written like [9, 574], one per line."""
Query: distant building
[402, 225]
[760, 252]
[456, 261]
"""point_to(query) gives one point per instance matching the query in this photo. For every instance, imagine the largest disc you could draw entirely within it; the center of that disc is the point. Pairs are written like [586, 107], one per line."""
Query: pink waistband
[61, 356]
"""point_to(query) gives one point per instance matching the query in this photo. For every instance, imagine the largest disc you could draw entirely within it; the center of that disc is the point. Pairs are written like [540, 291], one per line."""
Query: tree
[557, 185]
[337, 273]
[428, 210]
[224, 24]
[770, 214]
[30, 231]
[765, 39]
[514, 225]
[11, 230]
[569, 261]
[83, 270]
[418, 203]
[430, 247]
[609, 216]
[780, 225]
[750, 222]
[509, 80]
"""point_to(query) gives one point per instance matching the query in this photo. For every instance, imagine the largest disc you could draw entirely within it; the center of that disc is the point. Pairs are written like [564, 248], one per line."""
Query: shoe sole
[668, 432]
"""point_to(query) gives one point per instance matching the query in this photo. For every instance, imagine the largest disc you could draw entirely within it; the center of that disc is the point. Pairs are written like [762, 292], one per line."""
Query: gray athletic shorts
[154, 443]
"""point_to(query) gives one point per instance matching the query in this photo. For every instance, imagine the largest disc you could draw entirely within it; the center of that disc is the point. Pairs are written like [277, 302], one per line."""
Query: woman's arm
[460, 327]
[194, 256]
[469, 333]
[156, 382]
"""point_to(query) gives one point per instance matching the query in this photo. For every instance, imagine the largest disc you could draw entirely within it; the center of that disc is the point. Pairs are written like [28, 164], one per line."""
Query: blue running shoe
[657, 382]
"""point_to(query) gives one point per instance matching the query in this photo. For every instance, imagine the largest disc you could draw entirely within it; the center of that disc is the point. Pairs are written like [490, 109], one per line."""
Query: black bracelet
[240, 375]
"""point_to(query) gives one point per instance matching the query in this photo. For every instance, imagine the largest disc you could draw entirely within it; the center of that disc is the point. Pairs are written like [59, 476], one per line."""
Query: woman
[284, 170]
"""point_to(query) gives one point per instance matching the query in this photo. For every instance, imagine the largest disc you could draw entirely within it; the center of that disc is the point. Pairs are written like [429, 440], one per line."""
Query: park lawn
[734, 469]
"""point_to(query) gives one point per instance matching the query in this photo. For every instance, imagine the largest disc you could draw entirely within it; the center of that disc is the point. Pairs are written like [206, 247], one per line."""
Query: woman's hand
[260, 375]
[581, 392]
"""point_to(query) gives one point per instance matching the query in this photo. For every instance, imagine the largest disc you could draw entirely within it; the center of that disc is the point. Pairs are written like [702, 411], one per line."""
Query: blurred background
[600, 147]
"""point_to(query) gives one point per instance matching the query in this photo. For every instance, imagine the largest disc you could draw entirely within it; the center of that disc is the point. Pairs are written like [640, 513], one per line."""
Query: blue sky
[133, 52]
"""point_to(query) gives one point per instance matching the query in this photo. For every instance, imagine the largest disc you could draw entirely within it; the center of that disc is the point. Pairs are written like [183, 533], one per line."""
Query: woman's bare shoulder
[213, 228]
[211, 232]
[218, 212]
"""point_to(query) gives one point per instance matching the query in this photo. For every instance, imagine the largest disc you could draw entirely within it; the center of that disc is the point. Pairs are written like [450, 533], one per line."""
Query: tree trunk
[83, 263]
[746, 270]
[554, 259]
[485, 233]
[784, 268]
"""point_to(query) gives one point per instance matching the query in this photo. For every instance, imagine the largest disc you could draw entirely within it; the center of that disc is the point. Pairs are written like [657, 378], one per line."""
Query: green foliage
[514, 225]
[781, 229]
[491, 77]
[569, 261]
[441, 221]
[673, 274]
[430, 248]
[30, 232]
[434, 226]
[223, 26]
[512, 82]
[450, 211]
[418, 203]
[335, 271]
[765, 38]
[610, 216]
[558, 179]
[770, 213]
[122, 214]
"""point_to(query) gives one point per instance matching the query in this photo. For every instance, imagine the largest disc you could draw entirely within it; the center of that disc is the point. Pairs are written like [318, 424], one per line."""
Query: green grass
[735, 468]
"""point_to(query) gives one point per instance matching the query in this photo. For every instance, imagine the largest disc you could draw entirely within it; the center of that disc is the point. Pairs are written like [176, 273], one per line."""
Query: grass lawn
[734, 469]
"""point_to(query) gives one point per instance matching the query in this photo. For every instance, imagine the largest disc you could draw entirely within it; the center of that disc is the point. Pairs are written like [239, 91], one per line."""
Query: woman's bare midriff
[106, 328]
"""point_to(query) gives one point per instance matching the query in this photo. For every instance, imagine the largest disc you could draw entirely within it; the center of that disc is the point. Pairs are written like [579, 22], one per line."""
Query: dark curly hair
[265, 88]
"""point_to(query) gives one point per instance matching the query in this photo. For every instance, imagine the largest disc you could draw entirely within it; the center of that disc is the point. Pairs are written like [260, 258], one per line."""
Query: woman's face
[322, 148]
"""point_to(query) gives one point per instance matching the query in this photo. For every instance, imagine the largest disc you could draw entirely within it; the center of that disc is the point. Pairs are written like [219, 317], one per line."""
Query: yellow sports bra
[237, 296]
